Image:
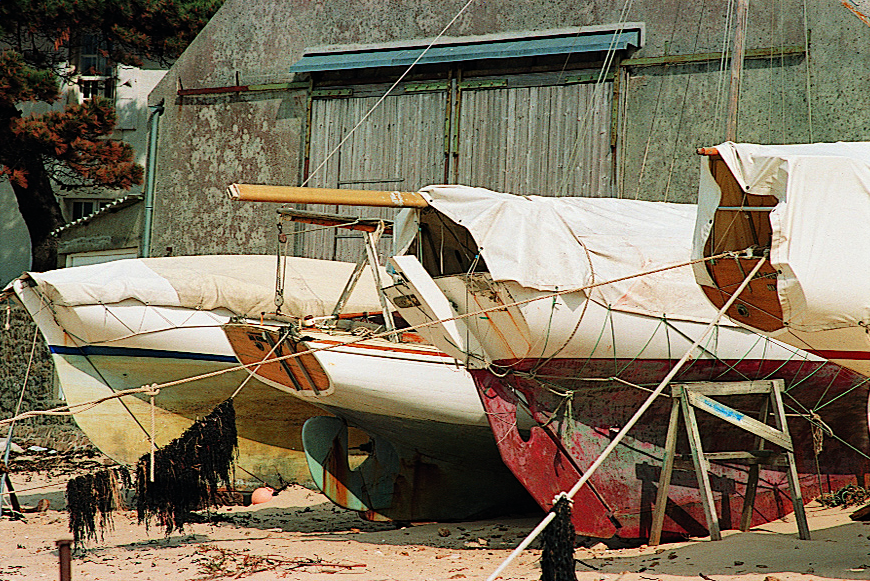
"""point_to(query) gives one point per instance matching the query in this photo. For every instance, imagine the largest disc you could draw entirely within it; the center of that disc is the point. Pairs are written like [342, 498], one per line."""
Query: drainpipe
[153, 121]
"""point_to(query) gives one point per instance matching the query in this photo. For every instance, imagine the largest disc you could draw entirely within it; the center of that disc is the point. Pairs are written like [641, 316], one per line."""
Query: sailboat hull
[581, 369]
[431, 454]
[575, 428]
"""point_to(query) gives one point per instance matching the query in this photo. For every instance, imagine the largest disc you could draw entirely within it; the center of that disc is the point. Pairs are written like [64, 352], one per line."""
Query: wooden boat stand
[687, 397]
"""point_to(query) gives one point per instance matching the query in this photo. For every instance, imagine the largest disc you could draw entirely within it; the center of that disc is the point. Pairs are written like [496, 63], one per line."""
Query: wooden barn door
[399, 146]
[545, 138]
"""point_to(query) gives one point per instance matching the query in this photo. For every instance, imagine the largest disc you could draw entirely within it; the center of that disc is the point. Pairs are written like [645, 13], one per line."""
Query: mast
[736, 68]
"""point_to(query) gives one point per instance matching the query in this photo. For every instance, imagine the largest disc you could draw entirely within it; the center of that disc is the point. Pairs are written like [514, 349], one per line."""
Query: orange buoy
[261, 495]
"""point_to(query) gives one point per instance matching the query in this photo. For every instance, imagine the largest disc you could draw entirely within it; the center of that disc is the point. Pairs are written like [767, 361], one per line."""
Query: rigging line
[318, 229]
[743, 358]
[612, 340]
[703, 6]
[582, 313]
[792, 355]
[720, 85]
[596, 94]
[251, 373]
[845, 393]
[642, 349]
[813, 372]
[384, 96]
[782, 86]
[8, 447]
[626, 428]
[649, 136]
[809, 74]
[426, 324]
[105, 308]
[827, 389]
[824, 427]
[44, 300]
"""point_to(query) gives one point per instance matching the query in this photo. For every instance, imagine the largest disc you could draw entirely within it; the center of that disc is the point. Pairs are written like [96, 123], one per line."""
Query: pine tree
[70, 148]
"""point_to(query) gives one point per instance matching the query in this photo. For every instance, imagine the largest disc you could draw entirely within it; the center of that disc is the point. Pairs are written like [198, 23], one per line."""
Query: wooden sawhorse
[687, 397]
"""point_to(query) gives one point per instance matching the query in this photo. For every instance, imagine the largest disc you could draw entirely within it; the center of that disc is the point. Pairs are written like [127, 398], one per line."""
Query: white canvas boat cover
[243, 284]
[549, 243]
[820, 233]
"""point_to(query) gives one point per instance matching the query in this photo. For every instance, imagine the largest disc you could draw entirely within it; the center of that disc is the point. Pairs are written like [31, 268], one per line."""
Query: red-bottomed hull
[619, 498]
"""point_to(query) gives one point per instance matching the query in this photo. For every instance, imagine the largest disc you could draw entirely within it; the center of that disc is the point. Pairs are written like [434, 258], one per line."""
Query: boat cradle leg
[658, 519]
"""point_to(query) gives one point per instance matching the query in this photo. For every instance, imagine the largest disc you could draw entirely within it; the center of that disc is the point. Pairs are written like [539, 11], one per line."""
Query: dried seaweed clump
[87, 496]
[188, 471]
[557, 557]
[846, 496]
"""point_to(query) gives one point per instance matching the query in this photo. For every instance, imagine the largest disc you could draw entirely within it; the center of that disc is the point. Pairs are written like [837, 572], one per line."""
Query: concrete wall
[209, 141]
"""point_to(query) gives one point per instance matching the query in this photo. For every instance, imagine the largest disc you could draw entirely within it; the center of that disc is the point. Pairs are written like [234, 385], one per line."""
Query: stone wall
[16, 341]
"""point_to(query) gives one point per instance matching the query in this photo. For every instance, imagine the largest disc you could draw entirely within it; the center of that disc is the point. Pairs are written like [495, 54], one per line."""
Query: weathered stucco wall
[209, 141]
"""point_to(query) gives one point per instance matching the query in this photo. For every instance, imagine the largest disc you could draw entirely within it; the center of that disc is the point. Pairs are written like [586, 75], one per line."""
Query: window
[91, 87]
[82, 208]
[95, 71]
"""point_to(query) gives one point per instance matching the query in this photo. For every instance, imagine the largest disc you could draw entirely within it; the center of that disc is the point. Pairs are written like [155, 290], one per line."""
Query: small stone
[598, 547]
[738, 563]
[443, 532]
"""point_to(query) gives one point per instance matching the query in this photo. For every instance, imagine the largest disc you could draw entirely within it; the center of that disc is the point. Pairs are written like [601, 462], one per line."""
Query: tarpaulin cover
[549, 243]
[820, 227]
[243, 284]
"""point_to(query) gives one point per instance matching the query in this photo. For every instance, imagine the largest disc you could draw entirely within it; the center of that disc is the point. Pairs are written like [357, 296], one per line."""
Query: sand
[301, 535]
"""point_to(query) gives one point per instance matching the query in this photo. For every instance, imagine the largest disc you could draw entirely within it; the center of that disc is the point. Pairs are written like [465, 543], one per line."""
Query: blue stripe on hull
[135, 352]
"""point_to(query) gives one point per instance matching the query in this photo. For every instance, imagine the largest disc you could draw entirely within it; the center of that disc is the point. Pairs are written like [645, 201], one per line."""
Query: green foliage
[128, 29]
[71, 148]
[75, 137]
[21, 82]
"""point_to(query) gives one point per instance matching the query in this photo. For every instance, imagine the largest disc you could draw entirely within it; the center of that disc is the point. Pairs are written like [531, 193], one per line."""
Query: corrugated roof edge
[116, 205]
[485, 38]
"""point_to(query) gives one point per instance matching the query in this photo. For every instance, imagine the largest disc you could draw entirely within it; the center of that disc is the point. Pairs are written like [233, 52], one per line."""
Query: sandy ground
[309, 538]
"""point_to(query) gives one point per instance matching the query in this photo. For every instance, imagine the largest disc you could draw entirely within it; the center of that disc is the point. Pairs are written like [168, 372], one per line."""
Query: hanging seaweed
[94, 494]
[557, 558]
[188, 470]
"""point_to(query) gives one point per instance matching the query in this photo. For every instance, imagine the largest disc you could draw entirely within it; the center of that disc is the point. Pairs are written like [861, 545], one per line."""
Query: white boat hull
[130, 345]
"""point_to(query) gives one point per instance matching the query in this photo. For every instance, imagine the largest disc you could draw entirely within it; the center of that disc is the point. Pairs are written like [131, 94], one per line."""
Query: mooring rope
[84, 406]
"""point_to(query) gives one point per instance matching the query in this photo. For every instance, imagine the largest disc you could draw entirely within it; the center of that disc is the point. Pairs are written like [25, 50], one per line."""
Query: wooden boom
[339, 197]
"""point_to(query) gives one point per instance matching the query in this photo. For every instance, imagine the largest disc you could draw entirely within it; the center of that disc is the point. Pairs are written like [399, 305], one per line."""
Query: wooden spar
[708, 151]
[340, 197]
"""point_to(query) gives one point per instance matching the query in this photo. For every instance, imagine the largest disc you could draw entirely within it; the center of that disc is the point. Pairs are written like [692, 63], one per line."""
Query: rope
[3, 476]
[678, 132]
[152, 435]
[384, 96]
[596, 94]
[84, 406]
[809, 74]
[630, 424]
[269, 354]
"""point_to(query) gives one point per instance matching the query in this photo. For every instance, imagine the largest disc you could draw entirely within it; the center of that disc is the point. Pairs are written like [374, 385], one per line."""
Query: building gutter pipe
[150, 178]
